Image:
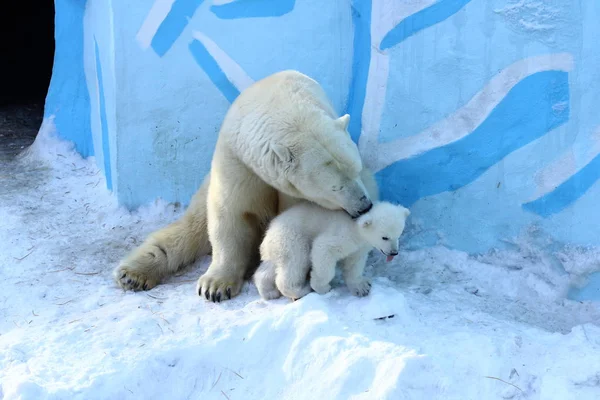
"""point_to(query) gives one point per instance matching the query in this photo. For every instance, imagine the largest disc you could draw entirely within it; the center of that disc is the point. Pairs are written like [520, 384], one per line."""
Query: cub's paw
[130, 279]
[217, 287]
[270, 294]
[360, 288]
[319, 287]
[296, 292]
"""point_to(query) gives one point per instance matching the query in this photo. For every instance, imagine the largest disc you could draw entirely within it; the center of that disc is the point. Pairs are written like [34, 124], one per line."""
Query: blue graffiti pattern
[182, 12]
[173, 25]
[423, 19]
[103, 119]
[567, 192]
[361, 19]
[253, 9]
[523, 116]
[214, 72]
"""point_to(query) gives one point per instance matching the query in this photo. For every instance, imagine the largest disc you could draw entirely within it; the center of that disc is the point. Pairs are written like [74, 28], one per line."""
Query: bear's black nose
[366, 209]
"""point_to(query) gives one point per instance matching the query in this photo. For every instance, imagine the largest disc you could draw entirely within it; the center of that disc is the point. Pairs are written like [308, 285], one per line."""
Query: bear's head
[322, 164]
[382, 226]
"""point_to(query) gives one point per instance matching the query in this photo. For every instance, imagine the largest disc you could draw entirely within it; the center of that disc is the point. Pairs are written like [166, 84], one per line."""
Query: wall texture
[479, 115]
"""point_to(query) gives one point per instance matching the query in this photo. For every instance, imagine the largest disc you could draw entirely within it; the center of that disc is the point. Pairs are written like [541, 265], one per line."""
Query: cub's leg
[353, 268]
[264, 279]
[324, 256]
[292, 268]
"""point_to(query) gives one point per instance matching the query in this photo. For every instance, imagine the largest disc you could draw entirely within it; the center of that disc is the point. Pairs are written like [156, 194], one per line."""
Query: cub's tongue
[389, 258]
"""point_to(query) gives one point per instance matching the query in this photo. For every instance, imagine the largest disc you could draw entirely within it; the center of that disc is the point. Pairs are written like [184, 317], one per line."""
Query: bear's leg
[264, 279]
[353, 267]
[166, 250]
[239, 207]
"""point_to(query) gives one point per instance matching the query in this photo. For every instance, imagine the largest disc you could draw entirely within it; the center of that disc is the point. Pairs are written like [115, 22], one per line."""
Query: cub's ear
[343, 121]
[406, 212]
[281, 155]
[365, 221]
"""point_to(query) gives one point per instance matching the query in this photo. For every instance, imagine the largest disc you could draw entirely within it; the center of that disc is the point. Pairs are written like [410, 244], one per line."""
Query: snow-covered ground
[489, 327]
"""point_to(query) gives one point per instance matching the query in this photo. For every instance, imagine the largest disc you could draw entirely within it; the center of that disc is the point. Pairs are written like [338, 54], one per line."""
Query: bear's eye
[385, 238]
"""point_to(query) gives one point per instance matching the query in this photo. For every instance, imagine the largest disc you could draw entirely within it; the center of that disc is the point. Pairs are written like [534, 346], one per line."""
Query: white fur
[308, 235]
[280, 143]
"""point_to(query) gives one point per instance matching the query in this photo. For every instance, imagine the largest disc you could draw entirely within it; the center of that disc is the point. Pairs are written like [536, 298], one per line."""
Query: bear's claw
[130, 280]
[361, 288]
[215, 289]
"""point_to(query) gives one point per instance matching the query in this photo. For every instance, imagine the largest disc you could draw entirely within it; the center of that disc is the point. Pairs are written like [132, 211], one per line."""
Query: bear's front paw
[218, 287]
[360, 288]
[319, 287]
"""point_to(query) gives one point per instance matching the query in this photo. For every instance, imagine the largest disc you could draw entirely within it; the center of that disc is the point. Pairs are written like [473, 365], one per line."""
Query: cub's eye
[385, 238]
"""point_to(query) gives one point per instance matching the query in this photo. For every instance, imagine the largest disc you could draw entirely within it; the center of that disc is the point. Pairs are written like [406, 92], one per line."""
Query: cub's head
[322, 164]
[382, 226]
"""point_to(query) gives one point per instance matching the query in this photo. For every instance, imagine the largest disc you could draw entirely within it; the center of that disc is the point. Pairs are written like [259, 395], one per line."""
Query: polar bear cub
[308, 238]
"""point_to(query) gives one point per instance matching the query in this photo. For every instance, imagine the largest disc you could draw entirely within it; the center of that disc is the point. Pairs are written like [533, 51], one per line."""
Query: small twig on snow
[235, 373]
[217, 381]
[24, 257]
[508, 383]
[64, 269]
[154, 297]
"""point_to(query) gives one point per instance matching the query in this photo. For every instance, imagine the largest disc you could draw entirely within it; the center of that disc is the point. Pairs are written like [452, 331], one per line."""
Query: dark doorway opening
[26, 59]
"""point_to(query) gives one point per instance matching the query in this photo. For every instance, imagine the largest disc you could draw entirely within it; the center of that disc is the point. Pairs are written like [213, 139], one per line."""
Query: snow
[439, 324]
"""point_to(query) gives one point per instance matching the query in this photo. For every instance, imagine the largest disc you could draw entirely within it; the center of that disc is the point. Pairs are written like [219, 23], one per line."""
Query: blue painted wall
[478, 114]
[68, 99]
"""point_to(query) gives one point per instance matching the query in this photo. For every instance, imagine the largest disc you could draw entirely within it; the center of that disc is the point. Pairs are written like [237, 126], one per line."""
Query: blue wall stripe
[567, 192]
[173, 25]
[423, 19]
[103, 119]
[361, 59]
[253, 8]
[68, 98]
[525, 114]
[212, 69]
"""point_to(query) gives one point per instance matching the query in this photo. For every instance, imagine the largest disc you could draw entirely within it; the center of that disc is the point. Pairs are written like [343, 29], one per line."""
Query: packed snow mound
[438, 324]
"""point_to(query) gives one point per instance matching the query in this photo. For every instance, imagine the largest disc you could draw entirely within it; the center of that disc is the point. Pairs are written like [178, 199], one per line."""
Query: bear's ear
[281, 155]
[406, 212]
[343, 121]
[365, 221]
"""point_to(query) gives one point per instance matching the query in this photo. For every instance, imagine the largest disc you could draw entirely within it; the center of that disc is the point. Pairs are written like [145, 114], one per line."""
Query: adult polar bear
[280, 142]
